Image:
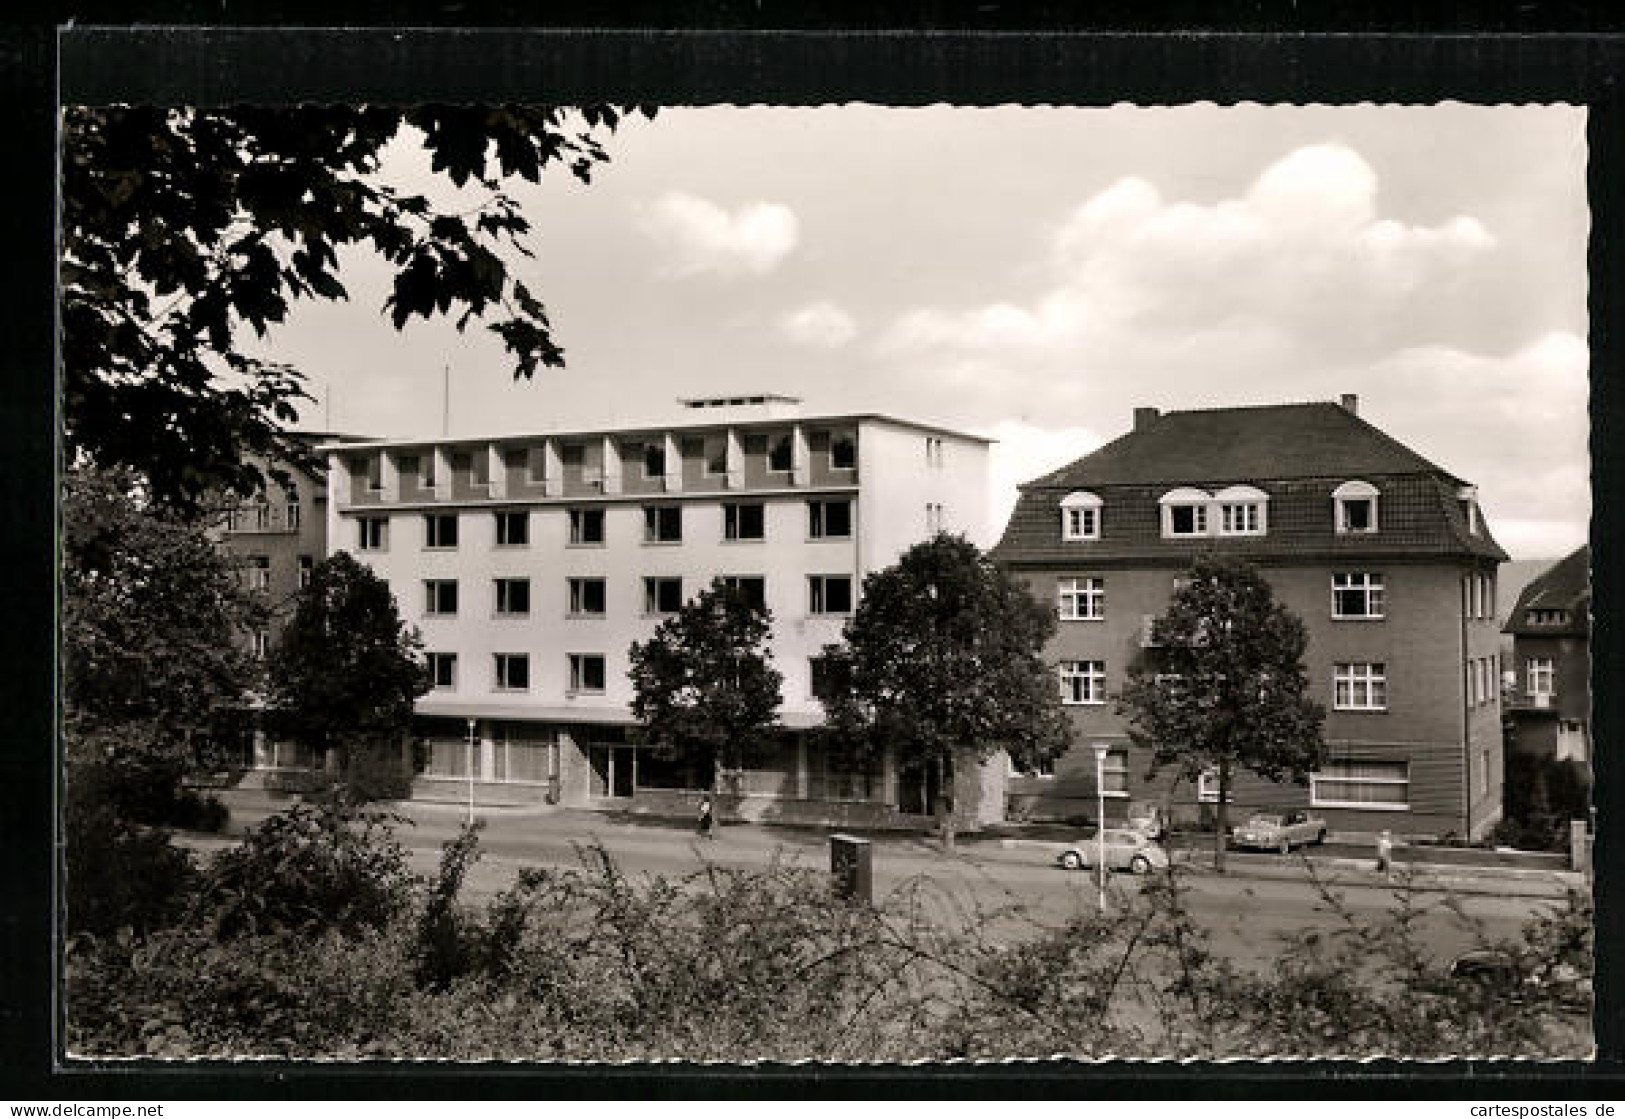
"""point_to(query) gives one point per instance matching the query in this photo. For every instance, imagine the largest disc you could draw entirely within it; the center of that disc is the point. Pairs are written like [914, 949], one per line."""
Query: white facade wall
[905, 469]
[893, 484]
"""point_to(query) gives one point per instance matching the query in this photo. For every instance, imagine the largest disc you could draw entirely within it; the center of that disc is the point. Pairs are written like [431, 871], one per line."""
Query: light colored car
[1126, 849]
[1271, 831]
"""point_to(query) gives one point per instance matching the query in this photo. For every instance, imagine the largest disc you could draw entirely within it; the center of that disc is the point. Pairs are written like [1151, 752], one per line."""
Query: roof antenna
[445, 400]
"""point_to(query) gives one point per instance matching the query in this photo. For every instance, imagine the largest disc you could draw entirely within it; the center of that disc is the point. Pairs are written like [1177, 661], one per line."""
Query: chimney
[1351, 403]
[1143, 418]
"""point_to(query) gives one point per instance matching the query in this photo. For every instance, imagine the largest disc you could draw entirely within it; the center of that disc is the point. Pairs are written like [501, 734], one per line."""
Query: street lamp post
[1100, 816]
[471, 773]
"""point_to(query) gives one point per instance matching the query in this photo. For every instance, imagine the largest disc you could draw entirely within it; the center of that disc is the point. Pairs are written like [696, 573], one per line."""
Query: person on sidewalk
[706, 811]
[1385, 853]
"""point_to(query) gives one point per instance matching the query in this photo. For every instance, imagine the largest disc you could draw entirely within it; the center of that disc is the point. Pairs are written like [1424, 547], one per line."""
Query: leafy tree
[1225, 686]
[944, 657]
[182, 228]
[152, 619]
[153, 672]
[705, 681]
[345, 673]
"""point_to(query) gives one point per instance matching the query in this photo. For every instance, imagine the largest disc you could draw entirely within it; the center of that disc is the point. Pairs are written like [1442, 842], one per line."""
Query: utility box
[851, 865]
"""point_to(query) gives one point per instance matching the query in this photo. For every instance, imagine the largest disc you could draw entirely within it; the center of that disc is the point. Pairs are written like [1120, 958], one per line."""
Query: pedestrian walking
[1385, 853]
[705, 820]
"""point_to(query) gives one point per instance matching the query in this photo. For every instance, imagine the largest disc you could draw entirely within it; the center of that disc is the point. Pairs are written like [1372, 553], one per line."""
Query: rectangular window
[933, 451]
[1083, 682]
[513, 529]
[1240, 519]
[1187, 520]
[573, 456]
[1360, 687]
[780, 454]
[829, 594]
[294, 514]
[307, 566]
[662, 524]
[586, 672]
[662, 595]
[586, 526]
[589, 598]
[409, 465]
[716, 455]
[443, 670]
[536, 464]
[1351, 784]
[259, 644]
[374, 533]
[512, 672]
[820, 677]
[375, 472]
[752, 587]
[1356, 514]
[1080, 523]
[262, 517]
[829, 519]
[1539, 673]
[429, 474]
[1082, 599]
[744, 520]
[479, 469]
[513, 597]
[654, 459]
[259, 573]
[1357, 594]
[843, 452]
[440, 530]
[440, 597]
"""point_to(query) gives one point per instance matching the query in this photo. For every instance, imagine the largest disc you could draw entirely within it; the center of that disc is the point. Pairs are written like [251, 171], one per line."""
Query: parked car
[1271, 831]
[1146, 818]
[1126, 849]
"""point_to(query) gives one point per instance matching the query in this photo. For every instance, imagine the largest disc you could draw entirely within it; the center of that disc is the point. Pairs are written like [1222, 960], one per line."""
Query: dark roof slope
[1296, 453]
[1277, 441]
[1566, 585]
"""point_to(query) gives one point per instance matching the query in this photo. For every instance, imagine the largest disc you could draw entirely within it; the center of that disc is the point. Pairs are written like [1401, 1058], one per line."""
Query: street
[1246, 912]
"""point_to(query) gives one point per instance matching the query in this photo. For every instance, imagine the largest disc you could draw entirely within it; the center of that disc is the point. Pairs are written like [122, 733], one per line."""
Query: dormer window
[1080, 516]
[1242, 511]
[1184, 512]
[1354, 508]
[1467, 496]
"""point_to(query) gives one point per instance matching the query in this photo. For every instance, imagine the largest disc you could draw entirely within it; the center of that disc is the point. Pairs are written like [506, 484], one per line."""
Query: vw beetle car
[1271, 831]
[1126, 849]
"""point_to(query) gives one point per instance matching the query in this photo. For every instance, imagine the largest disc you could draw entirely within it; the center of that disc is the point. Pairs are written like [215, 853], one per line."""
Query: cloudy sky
[1033, 274]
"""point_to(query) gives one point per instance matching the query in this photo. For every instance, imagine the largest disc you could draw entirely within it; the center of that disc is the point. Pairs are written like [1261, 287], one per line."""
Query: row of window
[257, 572]
[1355, 595]
[588, 596]
[1233, 511]
[1381, 785]
[1546, 617]
[264, 517]
[1478, 596]
[1356, 686]
[839, 449]
[510, 672]
[827, 519]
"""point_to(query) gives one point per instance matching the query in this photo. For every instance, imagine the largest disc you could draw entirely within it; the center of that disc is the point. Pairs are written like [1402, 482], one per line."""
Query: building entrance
[613, 770]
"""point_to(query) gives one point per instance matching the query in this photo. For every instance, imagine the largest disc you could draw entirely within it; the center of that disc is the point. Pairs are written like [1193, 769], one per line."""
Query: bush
[312, 868]
[193, 812]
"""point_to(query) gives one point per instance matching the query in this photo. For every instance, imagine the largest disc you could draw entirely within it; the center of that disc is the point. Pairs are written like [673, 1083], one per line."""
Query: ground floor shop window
[672, 769]
[1376, 785]
[525, 755]
[837, 775]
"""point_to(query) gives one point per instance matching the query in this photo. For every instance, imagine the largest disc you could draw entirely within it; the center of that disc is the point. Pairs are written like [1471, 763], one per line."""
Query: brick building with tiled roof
[1384, 555]
[1550, 702]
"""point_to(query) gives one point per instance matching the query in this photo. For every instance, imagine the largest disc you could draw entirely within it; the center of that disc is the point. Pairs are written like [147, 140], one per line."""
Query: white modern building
[531, 563]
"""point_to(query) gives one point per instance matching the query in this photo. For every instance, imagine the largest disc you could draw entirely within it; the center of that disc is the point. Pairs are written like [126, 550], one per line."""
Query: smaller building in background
[1549, 703]
[278, 536]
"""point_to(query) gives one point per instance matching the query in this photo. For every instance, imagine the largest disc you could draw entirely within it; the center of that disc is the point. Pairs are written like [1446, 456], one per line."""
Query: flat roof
[709, 424]
[472, 708]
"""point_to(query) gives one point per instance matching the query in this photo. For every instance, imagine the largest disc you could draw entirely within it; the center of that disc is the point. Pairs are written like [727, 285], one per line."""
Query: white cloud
[1303, 249]
[819, 324]
[701, 236]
